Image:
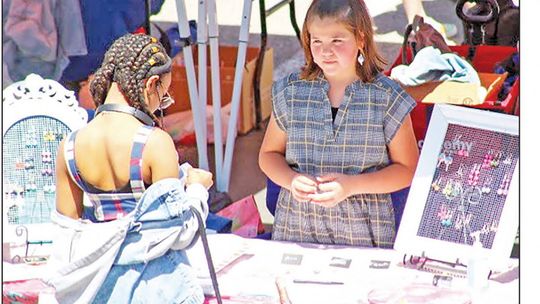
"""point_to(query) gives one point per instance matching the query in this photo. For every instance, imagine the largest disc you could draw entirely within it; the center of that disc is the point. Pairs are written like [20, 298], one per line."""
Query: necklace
[114, 107]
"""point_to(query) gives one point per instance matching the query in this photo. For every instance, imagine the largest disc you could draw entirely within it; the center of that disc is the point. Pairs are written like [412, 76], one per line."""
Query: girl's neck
[337, 88]
[115, 95]
[338, 81]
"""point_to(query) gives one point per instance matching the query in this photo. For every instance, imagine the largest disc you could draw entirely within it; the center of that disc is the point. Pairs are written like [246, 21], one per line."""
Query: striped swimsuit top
[111, 205]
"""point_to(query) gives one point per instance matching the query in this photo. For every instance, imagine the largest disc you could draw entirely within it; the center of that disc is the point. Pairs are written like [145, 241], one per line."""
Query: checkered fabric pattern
[354, 143]
[111, 205]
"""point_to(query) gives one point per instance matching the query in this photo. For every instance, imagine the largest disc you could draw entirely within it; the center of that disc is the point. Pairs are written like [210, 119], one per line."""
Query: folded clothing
[430, 65]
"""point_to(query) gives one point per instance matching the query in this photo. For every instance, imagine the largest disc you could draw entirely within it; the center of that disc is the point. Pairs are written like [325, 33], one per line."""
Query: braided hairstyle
[130, 60]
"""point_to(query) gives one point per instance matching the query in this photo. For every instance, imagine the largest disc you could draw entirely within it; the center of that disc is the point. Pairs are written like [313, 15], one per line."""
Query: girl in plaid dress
[340, 138]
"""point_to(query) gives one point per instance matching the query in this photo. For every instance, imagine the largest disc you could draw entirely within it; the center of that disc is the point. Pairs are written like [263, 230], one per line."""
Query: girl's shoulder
[385, 83]
[291, 80]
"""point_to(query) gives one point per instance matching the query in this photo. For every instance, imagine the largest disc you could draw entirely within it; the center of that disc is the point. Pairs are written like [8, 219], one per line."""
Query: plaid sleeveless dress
[111, 205]
[354, 143]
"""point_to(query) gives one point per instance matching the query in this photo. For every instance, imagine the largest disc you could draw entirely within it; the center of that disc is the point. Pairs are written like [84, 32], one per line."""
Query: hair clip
[152, 61]
[154, 49]
[153, 39]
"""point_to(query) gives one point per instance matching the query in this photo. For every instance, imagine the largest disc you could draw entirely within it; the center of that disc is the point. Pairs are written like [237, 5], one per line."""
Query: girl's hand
[302, 186]
[331, 191]
[199, 176]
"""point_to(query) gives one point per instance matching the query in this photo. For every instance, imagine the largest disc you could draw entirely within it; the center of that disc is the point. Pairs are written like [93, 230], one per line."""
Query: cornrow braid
[129, 61]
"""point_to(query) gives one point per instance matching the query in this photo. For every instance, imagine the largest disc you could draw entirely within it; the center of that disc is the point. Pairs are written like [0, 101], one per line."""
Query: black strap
[114, 107]
[212, 270]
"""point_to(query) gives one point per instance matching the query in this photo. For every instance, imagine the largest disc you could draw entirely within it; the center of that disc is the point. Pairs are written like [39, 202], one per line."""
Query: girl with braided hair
[123, 164]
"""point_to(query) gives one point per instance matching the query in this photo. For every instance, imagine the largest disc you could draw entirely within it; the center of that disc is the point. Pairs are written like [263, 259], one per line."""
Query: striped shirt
[354, 143]
[111, 205]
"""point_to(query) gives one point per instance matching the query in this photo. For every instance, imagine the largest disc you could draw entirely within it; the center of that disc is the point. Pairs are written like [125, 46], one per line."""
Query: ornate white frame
[407, 240]
[36, 96]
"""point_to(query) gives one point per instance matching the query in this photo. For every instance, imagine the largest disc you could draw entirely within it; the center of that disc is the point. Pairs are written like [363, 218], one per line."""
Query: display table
[248, 268]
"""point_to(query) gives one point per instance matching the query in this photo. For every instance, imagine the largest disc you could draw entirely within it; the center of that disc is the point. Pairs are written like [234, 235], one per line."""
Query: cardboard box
[452, 92]
[227, 54]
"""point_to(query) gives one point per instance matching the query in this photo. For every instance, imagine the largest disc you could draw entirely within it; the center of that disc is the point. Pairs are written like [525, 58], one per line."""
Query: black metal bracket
[263, 13]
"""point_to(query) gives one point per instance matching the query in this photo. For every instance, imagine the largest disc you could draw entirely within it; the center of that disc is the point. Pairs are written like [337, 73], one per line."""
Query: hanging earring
[495, 161]
[441, 159]
[448, 188]
[448, 161]
[49, 189]
[19, 165]
[436, 185]
[46, 157]
[28, 163]
[508, 159]
[360, 59]
[474, 175]
[485, 188]
[503, 188]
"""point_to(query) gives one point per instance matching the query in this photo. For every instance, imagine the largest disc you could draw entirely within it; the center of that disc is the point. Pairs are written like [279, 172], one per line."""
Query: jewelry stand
[20, 231]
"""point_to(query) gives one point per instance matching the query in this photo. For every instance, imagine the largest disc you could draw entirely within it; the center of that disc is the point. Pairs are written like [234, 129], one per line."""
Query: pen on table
[282, 291]
[317, 282]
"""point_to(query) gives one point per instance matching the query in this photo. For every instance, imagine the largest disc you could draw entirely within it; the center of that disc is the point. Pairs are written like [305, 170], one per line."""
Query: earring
[487, 159]
[485, 187]
[31, 139]
[470, 198]
[28, 163]
[474, 175]
[508, 159]
[46, 157]
[447, 188]
[47, 171]
[361, 59]
[436, 185]
[48, 136]
[441, 159]
[19, 165]
[49, 189]
[503, 188]
[495, 161]
[448, 161]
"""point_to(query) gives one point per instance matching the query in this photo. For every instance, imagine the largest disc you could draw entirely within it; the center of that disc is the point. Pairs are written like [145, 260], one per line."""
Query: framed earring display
[37, 114]
[465, 187]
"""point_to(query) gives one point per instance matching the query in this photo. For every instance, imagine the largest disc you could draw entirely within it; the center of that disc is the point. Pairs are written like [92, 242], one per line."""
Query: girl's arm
[403, 152]
[161, 156]
[69, 197]
[273, 164]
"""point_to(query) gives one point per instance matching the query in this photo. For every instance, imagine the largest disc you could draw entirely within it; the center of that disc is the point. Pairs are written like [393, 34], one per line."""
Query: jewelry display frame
[408, 240]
